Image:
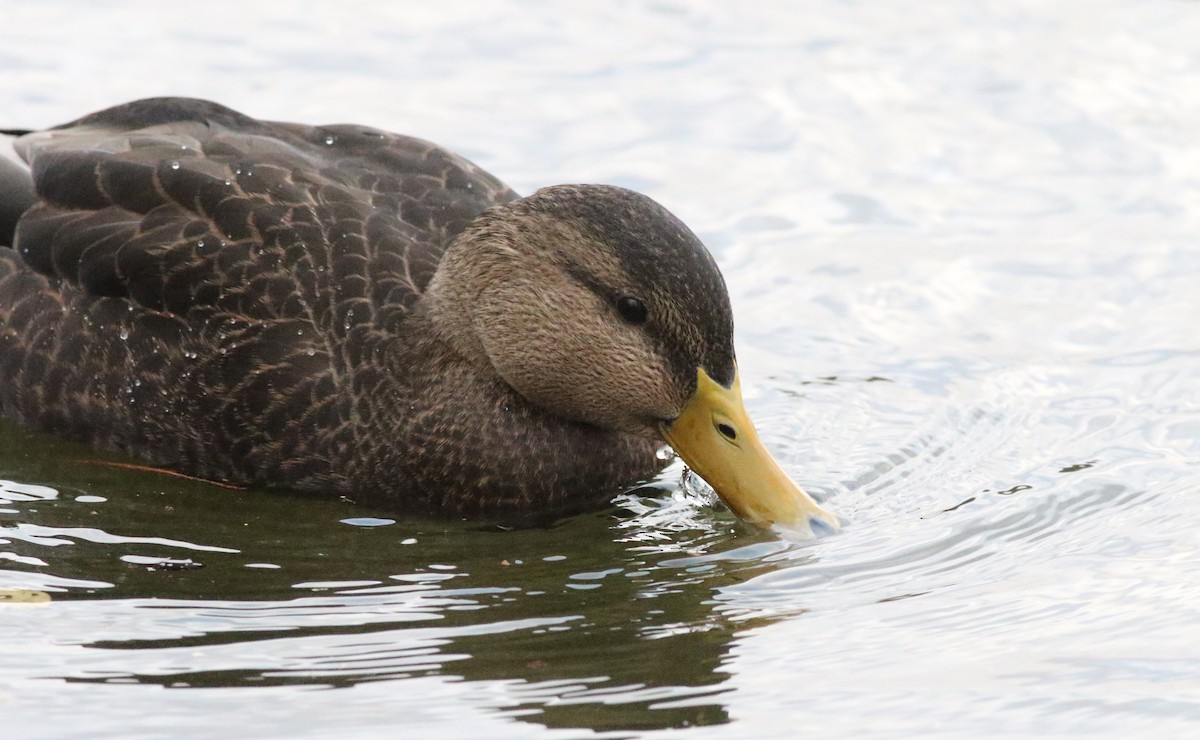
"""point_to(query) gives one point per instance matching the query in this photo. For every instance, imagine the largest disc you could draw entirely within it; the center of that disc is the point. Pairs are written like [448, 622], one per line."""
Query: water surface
[961, 243]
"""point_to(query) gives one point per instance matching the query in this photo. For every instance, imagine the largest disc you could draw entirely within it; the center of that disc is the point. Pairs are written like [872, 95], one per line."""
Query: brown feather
[246, 301]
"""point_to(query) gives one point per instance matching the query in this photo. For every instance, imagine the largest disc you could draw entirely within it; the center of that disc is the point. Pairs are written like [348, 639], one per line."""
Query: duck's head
[598, 305]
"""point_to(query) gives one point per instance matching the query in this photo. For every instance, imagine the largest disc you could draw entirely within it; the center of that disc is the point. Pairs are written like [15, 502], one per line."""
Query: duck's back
[175, 202]
[184, 264]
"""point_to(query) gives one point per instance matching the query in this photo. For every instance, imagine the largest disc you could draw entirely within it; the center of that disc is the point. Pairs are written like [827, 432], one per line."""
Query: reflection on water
[961, 246]
[604, 620]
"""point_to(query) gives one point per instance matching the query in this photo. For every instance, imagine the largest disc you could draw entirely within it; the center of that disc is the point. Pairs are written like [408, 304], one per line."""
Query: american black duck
[339, 309]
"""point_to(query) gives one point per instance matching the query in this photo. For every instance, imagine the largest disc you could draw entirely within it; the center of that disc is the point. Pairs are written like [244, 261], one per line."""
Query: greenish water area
[962, 245]
[185, 585]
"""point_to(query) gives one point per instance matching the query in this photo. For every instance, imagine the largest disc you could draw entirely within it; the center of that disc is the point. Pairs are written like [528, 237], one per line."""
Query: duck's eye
[632, 310]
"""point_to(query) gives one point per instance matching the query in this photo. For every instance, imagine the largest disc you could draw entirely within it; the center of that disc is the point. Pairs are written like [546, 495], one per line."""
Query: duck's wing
[209, 281]
[179, 204]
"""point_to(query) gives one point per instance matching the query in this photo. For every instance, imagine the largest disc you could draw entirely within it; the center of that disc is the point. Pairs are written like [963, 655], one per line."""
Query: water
[961, 242]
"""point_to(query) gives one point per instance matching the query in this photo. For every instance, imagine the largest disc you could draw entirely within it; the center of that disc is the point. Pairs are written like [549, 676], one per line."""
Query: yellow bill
[714, 436]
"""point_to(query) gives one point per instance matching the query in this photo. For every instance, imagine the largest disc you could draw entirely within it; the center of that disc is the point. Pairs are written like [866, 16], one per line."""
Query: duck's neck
[452, 297]
[449, 435]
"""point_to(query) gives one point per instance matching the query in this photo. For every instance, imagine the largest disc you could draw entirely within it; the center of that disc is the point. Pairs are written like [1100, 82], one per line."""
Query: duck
[349, 312]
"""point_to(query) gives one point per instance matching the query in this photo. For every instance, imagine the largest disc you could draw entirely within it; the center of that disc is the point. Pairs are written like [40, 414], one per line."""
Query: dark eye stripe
[631, 309]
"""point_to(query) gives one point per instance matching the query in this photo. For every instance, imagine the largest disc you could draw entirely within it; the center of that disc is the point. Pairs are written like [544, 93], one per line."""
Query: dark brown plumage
[257, 303]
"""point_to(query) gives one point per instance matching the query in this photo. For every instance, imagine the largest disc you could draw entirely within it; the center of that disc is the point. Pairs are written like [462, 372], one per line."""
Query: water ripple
[960, 243]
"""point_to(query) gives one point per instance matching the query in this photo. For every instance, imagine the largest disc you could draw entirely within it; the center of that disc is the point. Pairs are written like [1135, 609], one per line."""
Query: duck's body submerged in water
[343, 310]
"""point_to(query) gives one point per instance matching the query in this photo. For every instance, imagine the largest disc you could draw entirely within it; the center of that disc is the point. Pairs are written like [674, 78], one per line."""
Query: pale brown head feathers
[533, 288]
